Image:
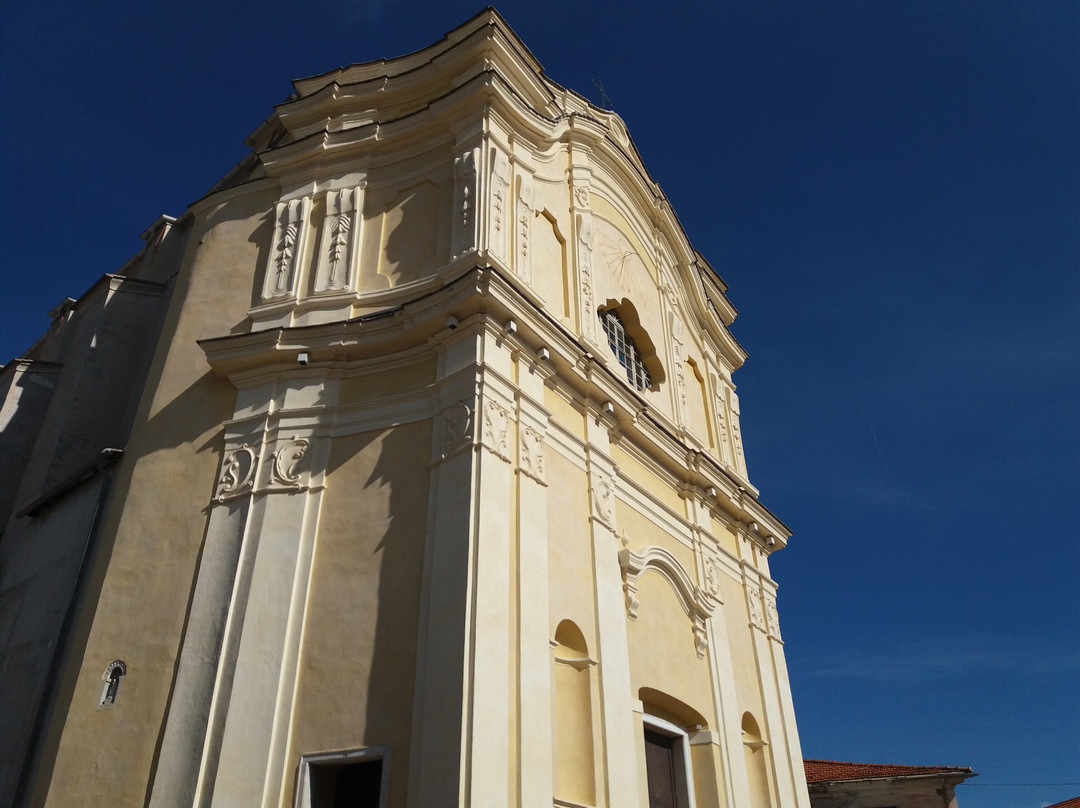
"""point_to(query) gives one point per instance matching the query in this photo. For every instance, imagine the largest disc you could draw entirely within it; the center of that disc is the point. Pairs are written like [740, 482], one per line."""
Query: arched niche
[572, 716]
[756, 758]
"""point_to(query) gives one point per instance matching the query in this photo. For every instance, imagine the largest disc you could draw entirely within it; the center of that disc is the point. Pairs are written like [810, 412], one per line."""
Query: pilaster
[613, 649]
[534, 740]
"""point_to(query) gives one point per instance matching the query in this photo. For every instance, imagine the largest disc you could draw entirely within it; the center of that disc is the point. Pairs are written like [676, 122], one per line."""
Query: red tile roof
[1072, 803]
[821, 771]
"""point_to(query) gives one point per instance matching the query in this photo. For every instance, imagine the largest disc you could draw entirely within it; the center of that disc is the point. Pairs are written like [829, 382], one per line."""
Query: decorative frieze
[287, 250]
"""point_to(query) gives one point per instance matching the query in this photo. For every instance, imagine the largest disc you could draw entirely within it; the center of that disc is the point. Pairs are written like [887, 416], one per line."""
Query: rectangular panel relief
[284, 465]
[288, 249]
[524, 213]
[678, 348]
[499, 240]
[584, 254]
[727, 420]
[339, 247]
[464, 230]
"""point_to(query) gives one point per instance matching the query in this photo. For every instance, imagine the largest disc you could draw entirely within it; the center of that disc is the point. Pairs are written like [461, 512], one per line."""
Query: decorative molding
[465, 192]
[457, 428]
[531, 456]
[496, 429]
[287, 461]
[697, 604]
[287, 250]
[237, 475]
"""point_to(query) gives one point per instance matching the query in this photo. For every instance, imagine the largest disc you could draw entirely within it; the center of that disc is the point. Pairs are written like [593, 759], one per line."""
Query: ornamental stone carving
[585, 274]
[772, 618]
[753, 602]
[500, 203]
[736, 437]
[340, 240]
[524, 218]
[287, 461]
[722, 426]
[531, 456]
[237, 473]
[603, 496]
[457, 428]
[711, 576]
[581, 196]
[496, 429]
[465, 193]
[287, 249]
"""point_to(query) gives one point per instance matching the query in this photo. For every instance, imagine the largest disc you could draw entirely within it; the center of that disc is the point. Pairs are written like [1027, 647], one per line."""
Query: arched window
[625, 349]
[110, 687]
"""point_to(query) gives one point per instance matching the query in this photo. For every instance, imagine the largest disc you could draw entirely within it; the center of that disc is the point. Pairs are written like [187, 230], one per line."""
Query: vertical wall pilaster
[535, 742]
[245, 745]
[736, 786]
[793, 772]
[619, 764]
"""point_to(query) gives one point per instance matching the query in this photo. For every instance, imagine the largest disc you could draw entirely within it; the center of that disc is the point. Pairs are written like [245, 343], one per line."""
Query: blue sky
[891, 188]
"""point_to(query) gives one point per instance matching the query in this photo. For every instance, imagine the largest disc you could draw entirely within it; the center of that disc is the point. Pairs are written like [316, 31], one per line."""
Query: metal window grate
[622, 345]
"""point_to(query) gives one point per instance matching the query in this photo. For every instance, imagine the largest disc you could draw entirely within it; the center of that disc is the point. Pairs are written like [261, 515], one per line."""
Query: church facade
[423, 483]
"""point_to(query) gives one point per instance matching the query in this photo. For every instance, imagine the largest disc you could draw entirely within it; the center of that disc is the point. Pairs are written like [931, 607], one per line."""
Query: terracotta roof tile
[1070, 803]
[821, 771]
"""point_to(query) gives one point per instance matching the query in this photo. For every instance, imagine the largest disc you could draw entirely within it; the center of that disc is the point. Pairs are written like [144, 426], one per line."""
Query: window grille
[622, 345]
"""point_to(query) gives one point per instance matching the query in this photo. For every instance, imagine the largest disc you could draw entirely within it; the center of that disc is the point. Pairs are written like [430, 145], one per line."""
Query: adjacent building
[403, 469]
[836, 784]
